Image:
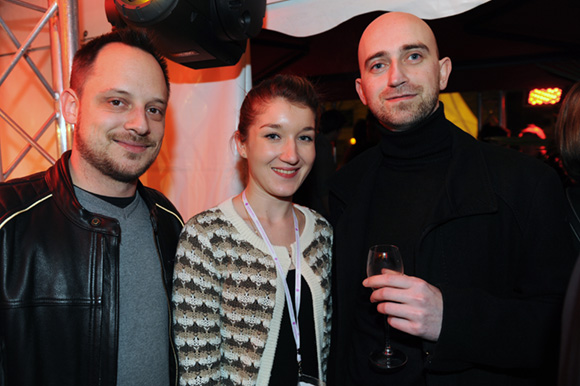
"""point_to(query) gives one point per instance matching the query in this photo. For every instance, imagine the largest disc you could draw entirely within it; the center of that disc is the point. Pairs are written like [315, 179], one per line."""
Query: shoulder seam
[168, 211]
[24, 210]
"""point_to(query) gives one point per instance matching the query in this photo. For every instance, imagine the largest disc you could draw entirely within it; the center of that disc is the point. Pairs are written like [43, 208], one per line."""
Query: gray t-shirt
[143, 357]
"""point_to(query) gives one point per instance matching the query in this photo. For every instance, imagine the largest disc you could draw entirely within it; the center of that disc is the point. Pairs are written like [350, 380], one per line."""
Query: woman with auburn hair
[252, 276]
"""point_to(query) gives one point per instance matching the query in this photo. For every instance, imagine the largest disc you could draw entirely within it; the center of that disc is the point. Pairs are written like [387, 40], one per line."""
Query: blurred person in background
[313, 193]
[567, 136]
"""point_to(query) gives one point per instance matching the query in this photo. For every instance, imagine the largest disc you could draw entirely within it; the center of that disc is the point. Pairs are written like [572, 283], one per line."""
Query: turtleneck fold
[429, 141]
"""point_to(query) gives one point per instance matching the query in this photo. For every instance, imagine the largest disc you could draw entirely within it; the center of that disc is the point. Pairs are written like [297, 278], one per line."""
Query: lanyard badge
[298, 282]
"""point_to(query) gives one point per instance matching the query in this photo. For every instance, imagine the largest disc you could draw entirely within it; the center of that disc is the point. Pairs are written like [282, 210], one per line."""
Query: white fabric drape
[196, 168]
[316, 16]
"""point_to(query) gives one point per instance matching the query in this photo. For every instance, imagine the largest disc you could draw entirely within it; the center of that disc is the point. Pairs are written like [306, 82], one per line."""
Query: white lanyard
[298, 282]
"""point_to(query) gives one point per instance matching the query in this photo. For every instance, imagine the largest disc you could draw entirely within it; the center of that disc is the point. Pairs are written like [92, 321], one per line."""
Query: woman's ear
[70, 106]
[240, 145]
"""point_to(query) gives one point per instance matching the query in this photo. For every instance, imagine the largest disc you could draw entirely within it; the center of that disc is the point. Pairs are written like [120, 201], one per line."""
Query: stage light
[195, 33]
[544, 96]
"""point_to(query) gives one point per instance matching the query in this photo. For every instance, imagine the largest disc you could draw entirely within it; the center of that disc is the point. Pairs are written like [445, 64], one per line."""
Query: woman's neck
[275, 216]
[268, 208]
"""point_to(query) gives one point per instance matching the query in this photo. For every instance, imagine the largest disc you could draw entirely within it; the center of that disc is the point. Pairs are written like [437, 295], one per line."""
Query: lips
[395, 98]
[133, 145]
[286, 173]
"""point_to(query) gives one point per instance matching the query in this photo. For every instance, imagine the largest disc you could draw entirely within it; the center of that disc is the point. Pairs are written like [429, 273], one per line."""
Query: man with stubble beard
[481, 229]
[87, 251]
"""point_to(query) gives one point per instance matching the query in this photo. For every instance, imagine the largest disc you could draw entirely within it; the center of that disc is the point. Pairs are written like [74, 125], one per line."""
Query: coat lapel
[468, 189]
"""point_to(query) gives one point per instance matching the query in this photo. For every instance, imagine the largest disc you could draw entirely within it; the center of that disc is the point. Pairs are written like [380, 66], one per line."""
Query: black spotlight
[195, 33]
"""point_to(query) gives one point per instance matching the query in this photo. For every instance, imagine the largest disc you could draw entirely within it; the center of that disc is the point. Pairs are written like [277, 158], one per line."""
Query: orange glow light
[545, 96]
[352, 141]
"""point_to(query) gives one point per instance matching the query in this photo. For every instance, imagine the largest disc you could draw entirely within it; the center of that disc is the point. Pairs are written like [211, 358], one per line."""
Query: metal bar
[64, 43]
[2, 177]
[39, 48]
[69, 28]
[27, 58]
[25, 135]
[27, 5]
[29, 40]
[57, 81]
[25, 151]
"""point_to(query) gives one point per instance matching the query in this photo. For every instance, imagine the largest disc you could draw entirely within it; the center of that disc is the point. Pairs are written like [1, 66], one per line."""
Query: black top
[119, 202]
[285, 367]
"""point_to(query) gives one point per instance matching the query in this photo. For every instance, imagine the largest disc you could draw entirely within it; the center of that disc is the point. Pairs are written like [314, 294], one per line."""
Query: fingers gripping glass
[380, 258]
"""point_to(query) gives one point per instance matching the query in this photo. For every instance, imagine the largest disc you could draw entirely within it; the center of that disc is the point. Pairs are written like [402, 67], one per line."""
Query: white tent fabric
[317, 16]
[196, 168]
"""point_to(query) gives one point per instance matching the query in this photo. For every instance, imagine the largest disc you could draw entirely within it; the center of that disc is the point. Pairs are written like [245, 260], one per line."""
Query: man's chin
[398, 125]
[128, 172]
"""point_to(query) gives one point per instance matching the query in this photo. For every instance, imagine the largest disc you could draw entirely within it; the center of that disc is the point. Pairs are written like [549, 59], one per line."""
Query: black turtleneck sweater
[407, 186]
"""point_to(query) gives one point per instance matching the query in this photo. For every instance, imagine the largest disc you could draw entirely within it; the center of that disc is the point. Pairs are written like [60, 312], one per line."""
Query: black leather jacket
[59, 286]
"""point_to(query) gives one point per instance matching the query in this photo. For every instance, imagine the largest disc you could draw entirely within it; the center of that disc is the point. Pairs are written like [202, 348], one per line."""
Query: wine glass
[381, 258]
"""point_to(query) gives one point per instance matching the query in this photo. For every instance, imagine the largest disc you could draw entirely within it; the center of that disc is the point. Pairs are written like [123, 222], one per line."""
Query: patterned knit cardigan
[229, 299]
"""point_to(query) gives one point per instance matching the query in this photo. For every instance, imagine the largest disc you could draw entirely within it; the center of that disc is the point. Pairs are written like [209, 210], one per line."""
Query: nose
[290, 152]
[137, 121]
[396, 74]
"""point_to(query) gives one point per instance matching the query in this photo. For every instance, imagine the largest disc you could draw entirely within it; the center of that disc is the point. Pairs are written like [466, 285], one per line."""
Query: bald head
[401, 74]
[395, 27]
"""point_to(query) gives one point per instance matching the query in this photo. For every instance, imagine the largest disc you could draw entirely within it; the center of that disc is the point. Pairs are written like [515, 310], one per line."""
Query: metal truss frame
[61, 16]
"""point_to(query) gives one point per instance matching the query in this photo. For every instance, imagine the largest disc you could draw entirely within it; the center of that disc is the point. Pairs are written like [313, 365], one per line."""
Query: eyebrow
[128, 94]
[376, 55]
[415, 46]
[276, 126]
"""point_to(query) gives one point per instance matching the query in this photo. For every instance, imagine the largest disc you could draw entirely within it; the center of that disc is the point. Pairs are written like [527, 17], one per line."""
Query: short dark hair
[567, 132]
[294, 89]
[85, 57]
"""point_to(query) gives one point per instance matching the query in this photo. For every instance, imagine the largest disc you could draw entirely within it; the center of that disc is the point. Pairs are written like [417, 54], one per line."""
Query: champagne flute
[380, 258]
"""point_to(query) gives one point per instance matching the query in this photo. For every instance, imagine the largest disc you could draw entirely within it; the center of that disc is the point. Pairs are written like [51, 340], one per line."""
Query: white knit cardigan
[229, 299]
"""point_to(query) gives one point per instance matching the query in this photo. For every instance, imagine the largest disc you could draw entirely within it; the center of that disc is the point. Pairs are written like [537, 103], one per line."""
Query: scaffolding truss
[61, 17]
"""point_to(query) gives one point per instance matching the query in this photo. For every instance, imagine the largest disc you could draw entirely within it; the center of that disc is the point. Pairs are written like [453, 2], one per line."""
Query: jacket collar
[60, 184]
[468, 188]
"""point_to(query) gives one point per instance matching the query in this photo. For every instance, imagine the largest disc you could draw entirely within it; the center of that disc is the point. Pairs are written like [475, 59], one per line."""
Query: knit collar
[427, 142]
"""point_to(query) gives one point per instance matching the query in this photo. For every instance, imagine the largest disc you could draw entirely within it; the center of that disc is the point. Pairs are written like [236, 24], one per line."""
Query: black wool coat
[497, 246]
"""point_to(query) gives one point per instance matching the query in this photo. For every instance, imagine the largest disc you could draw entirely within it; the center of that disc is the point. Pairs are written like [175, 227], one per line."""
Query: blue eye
[415, 56]
[377, 66]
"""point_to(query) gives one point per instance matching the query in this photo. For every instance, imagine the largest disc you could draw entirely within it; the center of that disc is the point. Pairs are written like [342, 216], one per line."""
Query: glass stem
[388, 351]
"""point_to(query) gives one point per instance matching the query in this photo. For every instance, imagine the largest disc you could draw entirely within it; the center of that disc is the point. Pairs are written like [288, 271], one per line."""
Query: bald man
[482, 231]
